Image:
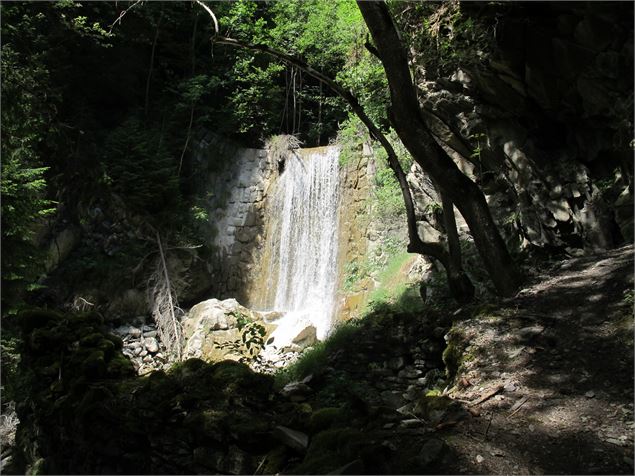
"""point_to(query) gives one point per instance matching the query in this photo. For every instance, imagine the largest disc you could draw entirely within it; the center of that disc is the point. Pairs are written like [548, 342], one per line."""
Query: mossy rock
[234, 376]
[250, 433]
[32, 319]
[453, 354]
[206, 426]
[275, 460]
[331, 449]
[431, 407]
[120, 367]
[44, 340]
[325, 418]
[187, 368]
[91, 340]
[94, 365]
[116, 340]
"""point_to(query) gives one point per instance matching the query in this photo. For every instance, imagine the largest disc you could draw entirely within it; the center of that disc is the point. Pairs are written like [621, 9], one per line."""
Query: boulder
[211, 330]
[151, 344]
[306, 337]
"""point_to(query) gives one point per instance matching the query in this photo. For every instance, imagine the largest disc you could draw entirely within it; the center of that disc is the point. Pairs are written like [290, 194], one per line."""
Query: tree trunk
[461, 287]
[417, 138]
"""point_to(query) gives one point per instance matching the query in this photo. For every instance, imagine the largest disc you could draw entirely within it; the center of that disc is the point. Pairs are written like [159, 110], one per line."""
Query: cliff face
[542, 119]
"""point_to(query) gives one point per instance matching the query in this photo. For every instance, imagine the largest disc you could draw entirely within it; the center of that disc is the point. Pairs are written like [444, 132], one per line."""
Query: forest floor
[557, 363]
[542, 384]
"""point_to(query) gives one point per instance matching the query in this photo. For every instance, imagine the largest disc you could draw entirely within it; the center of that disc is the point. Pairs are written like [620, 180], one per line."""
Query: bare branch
[123, 13]
[211, 14]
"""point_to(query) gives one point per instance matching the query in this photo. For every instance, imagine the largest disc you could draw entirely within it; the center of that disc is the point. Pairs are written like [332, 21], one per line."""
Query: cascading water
[303, 243]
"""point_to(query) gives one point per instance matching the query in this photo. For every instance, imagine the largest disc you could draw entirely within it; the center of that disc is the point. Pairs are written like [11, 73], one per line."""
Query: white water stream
[303, 238]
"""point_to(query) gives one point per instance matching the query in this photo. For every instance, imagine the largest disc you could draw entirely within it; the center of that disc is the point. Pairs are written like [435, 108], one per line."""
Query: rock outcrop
[213, 330]
[542, 122]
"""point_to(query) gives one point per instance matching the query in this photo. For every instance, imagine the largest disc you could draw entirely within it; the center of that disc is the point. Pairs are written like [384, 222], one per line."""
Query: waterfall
[303, 243]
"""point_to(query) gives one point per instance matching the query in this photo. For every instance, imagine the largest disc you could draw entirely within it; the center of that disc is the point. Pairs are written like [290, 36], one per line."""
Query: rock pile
[142, 345]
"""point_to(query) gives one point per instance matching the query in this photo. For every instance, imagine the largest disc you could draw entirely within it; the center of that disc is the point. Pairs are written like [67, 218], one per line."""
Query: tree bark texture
[410, 126]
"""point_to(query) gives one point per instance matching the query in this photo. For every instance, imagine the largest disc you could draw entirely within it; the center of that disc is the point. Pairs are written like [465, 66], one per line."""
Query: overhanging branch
[416, 245]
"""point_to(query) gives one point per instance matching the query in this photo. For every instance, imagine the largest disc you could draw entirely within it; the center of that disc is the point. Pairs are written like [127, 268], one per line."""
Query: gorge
[317, 237]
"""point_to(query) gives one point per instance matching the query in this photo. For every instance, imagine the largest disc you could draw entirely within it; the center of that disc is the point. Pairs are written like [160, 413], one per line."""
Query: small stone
[479, 459]
[531, 331]
[590, 394]
[614, 441]
[134, 332]
[409, 373]
[295, 389]
[396, 363]
[411, 423]
[510, 387]
[150, 334]
[151, 344]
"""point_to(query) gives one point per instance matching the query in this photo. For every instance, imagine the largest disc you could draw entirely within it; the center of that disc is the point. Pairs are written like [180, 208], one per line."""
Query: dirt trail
[562, 350]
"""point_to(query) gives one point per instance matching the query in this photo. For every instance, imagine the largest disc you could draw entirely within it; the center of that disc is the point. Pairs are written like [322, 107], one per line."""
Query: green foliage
[27, 112]
[251, 341]
[140, 168]
[393, 290]
[316, 357]
[387, 194]
[447, 35]
[351, 136]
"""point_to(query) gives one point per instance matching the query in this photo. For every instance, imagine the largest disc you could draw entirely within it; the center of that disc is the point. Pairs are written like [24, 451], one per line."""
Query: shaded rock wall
[236, 197]
[355, 186]
[544, 122]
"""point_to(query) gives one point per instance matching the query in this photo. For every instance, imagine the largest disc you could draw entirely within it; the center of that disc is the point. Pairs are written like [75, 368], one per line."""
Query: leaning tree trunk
[408, 121]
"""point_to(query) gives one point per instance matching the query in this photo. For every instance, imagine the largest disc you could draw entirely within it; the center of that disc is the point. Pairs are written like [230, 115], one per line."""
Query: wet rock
[134, 332]
[306, 337]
